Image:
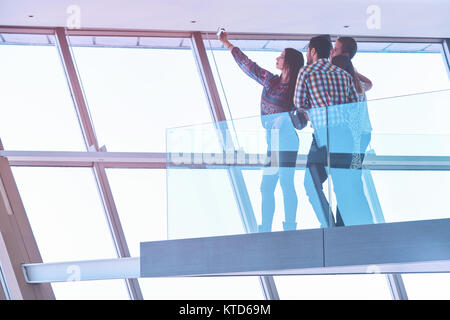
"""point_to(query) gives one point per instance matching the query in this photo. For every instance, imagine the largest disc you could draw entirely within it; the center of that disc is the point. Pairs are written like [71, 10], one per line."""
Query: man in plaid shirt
[325, 92]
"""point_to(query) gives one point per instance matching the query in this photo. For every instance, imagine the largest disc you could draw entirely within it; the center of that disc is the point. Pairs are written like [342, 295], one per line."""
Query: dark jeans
[352, 205]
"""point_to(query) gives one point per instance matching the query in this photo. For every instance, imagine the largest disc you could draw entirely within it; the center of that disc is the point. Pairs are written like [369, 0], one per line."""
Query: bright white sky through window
[34, 98]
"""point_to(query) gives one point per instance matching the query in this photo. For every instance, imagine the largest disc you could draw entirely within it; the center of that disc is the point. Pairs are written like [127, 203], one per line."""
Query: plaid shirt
[322, 84]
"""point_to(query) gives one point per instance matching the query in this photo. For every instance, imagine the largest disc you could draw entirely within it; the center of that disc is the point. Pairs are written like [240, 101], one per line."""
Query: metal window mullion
[27, 30]
[9, 282]
[395, 281]
[75, 89]
[101, 178]
[17, 242]
[218, 115]
[4, 292]
[446, 53]
[396, 287]
[115, 226]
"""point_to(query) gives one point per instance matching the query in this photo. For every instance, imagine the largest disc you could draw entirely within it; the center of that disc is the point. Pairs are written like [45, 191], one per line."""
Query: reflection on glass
[345, 144]
[232, 186]
[208, 190]
[36, 107]
[342, 134]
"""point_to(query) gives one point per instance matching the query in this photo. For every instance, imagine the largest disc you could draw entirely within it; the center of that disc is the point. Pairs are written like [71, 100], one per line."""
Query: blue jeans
[353, 207]
[282, 149]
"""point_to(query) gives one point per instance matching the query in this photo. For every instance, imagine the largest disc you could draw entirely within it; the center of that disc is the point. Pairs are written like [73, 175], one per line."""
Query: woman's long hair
[293, 62]
[345, 63]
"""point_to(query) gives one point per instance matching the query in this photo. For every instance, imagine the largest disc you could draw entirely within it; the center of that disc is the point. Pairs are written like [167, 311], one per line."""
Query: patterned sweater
[274, 95]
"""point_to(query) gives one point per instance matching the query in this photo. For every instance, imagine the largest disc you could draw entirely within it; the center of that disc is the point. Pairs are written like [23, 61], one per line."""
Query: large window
[136, 88]
[67, 218]
[140, 196]
[135, 93]
[431, 286]
[36, 108]
[395, 69]
[408, 125]
[333, 287]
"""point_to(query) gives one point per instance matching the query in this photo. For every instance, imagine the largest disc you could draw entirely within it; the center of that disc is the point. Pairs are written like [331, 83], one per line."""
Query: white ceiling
[398, 18]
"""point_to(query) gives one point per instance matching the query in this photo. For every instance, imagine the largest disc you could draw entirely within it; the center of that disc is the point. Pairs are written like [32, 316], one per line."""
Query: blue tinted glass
[260, 174]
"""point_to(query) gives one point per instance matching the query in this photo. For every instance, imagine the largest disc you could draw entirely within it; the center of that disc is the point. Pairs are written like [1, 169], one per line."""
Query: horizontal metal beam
[186, 34]
[119, 269]
[390, 248]
[128, 33]
[196, 160]
[292, 36]
[376, 162]
[27, 30]
[124, 268]
[85, 159]
[382, 268]
[402, 247]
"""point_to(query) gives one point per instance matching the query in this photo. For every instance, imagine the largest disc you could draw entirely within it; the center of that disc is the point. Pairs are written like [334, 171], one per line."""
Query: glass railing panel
[260, 174]
[237, 177]
[342, 134]
[411, 125]
[388, 158]
[204, 204]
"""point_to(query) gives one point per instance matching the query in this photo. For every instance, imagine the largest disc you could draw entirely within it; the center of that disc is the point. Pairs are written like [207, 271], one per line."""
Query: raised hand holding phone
[220, 30]
[222, 36]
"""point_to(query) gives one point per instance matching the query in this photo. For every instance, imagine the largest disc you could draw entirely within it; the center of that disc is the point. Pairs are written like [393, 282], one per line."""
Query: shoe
[263, 228]
[289, 226]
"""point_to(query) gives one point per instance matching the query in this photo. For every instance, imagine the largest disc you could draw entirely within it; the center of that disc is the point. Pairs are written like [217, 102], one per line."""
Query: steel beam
[4, 292]
[124, 268]
[27, 30]
[392, 248]
[76, 90]
[159, 160]
[17, 243]
[185, 34]
[414, 246]
[446, 54]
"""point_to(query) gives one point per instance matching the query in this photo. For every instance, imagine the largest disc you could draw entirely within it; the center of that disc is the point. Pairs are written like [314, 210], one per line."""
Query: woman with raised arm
[282, 140]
